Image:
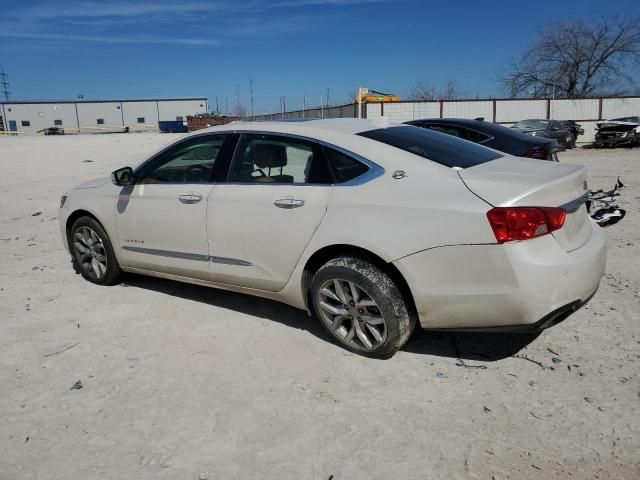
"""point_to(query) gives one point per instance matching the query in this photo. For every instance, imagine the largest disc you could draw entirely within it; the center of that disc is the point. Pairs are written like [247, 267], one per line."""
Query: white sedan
[372, 225]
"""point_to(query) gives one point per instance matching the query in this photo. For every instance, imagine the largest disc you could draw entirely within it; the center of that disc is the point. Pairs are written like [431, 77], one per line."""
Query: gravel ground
[183, 382]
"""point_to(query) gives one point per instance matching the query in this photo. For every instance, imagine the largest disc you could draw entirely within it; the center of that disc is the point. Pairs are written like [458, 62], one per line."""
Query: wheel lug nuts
[361, 311]
[351, 303]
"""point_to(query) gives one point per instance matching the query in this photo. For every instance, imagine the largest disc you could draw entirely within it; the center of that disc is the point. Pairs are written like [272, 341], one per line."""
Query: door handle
[190, 197]
[288, 203]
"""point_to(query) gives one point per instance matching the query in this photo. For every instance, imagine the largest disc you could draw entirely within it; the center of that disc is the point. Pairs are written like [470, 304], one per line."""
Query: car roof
[347, 126]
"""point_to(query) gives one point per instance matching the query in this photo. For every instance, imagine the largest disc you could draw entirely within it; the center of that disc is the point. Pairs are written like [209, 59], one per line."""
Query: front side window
[191, 161]
[437, 147]
[264, 159]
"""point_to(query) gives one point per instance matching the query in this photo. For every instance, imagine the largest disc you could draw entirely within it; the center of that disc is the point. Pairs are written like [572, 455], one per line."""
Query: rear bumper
[516, 286]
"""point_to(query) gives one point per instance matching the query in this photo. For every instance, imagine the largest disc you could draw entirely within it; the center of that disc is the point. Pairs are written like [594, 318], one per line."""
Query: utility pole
[251, 88]
[321, 107]
[5, 85]
[304, 105]
[328, 96]
[238, 101]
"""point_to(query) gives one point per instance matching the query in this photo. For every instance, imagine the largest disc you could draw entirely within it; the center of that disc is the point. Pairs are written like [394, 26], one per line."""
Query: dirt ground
[183, 382]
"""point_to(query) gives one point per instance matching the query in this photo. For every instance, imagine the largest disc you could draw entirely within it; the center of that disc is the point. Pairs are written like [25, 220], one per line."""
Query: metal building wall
[132, 111]
[40, 115]
[172, 109]
[115, 115]
[90, 112]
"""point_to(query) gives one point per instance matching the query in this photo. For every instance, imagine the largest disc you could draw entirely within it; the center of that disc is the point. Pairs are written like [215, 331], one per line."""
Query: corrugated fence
[586, 111]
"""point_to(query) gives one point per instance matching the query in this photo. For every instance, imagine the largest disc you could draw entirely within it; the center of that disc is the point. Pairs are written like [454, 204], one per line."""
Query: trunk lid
[521, 182]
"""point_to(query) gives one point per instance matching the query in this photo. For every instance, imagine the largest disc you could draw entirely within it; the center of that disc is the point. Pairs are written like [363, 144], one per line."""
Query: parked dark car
[545, 128]
[52, 131]
[618, 132]
[494, 136]
[575, 130]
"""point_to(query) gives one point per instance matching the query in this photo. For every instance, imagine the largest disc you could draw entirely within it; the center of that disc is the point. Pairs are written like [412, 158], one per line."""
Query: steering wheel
[197, 172]
[261, 172]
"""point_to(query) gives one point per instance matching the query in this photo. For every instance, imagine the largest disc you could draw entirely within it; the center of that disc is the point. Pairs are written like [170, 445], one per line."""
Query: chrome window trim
[374, 171]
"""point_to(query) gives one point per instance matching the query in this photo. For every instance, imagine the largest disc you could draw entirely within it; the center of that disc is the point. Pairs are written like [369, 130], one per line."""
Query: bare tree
[424, 90]
[450, 90]
[576, 59]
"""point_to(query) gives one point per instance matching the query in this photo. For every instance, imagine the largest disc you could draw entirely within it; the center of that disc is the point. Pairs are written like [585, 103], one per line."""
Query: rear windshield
[437, 147]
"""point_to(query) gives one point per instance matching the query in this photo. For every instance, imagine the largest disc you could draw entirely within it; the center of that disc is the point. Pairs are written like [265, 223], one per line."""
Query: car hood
[620, 126]
[95, 183]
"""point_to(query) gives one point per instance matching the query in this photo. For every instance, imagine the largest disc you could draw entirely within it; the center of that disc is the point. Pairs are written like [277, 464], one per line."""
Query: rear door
[263, 217]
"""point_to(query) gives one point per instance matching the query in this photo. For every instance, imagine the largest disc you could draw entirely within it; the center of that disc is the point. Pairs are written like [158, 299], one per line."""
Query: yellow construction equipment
[371, 96]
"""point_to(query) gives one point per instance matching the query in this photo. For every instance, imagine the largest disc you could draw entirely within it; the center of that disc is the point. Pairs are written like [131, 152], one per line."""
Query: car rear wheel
[360, 307]
[92, 253]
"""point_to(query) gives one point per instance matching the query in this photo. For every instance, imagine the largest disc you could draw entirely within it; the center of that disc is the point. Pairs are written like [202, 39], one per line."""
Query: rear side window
[265, 159]
[344, 167]
[437, 147]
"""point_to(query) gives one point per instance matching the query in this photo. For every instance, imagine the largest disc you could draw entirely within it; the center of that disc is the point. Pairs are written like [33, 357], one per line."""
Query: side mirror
[122, 177]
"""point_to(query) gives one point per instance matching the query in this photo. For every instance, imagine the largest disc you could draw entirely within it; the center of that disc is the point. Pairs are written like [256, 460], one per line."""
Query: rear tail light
[522, 223]
[536, 152]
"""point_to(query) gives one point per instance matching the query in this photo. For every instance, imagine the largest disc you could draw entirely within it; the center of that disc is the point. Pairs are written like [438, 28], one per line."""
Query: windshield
[437, 147]
[537, 124]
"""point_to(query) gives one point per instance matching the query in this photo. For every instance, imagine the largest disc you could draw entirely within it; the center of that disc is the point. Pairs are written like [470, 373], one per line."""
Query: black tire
[112, 273]
[378, 286]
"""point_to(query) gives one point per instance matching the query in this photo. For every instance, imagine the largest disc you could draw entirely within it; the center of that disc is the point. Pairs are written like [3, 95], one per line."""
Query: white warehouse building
[96, 115]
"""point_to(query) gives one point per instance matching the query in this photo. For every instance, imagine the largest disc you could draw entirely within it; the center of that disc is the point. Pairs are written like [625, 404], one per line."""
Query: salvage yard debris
[603, 206]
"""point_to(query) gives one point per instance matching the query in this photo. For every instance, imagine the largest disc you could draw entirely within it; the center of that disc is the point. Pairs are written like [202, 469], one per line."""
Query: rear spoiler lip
[574, 205]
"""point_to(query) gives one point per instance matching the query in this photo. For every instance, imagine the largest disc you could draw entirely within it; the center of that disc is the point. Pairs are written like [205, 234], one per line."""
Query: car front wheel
[361, 307]
[92, 253]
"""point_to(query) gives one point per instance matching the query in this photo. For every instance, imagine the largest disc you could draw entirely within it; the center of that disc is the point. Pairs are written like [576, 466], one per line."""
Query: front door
[162, 219]
[261, 220]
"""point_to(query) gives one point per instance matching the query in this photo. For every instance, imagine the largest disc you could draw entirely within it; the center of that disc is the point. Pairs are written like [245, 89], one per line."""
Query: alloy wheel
[351, 314]
[90, 252]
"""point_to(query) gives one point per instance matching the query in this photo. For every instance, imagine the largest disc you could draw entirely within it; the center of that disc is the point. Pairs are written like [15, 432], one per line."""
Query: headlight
[62, 200]
[533, 134]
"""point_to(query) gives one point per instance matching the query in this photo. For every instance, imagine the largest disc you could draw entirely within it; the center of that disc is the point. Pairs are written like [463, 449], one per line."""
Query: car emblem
[399, 174]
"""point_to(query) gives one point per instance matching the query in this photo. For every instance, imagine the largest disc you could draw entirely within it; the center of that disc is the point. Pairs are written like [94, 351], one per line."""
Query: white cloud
[147, 39]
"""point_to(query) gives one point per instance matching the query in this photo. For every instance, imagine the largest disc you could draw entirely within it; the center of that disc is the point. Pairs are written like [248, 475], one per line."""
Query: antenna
[5, 85]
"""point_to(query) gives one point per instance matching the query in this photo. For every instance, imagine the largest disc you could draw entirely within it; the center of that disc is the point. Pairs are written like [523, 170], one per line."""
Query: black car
[494, 136]
[546, 128]
[575, 130]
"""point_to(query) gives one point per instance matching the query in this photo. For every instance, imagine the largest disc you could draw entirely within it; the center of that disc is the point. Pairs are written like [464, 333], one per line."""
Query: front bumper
[613, 141]
[529, 284]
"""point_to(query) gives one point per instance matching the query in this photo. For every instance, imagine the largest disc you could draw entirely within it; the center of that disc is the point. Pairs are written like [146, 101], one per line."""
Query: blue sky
[110, 49]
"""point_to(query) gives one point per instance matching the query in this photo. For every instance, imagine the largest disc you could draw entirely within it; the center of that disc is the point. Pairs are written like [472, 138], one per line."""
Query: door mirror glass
[122, 177]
